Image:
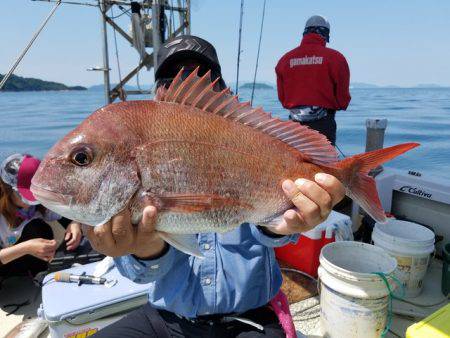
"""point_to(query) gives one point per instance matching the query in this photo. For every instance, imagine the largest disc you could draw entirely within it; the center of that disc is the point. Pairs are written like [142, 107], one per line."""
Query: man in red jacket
[313, 80]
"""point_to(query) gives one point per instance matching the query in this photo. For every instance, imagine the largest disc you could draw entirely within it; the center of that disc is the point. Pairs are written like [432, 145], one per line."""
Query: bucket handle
[391, 296]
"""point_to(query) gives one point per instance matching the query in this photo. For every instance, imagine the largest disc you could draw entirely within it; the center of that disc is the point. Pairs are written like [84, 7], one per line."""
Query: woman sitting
[27, 242]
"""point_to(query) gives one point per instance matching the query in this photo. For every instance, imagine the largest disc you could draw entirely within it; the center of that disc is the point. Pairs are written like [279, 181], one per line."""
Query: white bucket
[411, 244]
[353, 300]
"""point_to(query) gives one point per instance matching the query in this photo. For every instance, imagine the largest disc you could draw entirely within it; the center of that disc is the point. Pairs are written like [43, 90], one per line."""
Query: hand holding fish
[314, 201]
[119, 237]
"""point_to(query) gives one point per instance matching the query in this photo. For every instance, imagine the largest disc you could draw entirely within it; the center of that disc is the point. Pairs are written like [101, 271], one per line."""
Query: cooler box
[79, 311]
[304, 255]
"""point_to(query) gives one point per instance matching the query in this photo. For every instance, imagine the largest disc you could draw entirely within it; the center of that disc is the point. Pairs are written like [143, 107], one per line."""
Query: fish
[206, 161]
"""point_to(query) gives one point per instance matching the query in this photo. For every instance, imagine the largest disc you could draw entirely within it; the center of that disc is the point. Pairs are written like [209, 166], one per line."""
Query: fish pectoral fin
[185, 243]
[188, 203]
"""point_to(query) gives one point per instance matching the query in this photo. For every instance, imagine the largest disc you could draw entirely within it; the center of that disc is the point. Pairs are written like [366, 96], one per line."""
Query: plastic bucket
[411, 244]
[353, 300]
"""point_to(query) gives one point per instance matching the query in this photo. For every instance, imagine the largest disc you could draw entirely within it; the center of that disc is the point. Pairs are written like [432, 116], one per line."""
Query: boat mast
[158, 16]
[106, 69]
[156, 12]
[157, 31]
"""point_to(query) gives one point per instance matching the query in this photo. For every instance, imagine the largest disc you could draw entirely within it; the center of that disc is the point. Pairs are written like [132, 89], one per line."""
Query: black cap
[185, 47]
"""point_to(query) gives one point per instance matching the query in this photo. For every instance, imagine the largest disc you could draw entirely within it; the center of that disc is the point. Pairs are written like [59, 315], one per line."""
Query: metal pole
[375, 133]
[105, 52]
[188, 16]
[376, 129]
[7, 76]
[156, 32]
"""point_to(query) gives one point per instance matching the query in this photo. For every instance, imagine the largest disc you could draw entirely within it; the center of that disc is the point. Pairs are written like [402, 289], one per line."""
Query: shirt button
[154, 267]
[206, 246]
[207, 281]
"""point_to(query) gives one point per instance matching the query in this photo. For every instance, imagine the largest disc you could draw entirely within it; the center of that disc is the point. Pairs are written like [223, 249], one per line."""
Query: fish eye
[81, 157]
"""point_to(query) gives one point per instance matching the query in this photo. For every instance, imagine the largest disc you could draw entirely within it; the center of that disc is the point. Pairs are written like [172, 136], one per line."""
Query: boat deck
[306, 313]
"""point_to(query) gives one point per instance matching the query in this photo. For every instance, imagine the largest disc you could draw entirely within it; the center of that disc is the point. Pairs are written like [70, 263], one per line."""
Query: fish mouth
[49, 197]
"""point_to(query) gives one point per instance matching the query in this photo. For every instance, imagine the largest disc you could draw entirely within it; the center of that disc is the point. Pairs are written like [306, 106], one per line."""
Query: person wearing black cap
[234, 290]
[187, 52]
[313, 80]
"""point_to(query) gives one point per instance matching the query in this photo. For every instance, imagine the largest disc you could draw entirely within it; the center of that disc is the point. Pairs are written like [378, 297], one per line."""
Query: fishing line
[340, 150]
[117, 49]
[259, 47]
[8, 75]
[70, 2]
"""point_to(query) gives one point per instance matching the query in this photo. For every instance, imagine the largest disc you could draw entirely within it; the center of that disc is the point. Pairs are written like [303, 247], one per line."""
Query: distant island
[21, 84]
[362, 85]
[127, 87]
[258, 85]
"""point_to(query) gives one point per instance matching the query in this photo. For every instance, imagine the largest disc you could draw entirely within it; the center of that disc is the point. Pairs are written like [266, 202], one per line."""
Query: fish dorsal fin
[198, 92]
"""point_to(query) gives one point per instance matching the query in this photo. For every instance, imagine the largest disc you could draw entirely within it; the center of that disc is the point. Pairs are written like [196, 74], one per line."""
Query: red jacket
[313, 75]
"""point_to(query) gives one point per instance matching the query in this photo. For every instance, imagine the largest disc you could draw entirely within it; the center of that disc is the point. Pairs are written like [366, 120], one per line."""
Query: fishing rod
[239, 47]
[259, 48]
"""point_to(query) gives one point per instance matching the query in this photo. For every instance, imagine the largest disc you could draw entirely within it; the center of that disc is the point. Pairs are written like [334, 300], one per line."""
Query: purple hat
[17, 171]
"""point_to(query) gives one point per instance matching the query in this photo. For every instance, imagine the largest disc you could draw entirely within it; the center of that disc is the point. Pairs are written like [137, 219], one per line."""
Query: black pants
[326, 126]
[149, 322]
[28, 264]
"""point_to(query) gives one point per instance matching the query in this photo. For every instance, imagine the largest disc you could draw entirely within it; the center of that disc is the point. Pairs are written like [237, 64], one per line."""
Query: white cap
[317, 21]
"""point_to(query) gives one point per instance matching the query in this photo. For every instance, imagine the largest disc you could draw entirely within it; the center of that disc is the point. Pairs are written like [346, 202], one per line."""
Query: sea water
[32, 122]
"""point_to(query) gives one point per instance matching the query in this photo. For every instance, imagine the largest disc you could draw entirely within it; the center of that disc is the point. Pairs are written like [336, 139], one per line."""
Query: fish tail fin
[353, 172]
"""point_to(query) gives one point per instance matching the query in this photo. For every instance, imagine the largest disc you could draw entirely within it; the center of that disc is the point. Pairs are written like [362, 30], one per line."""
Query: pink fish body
[207, 162]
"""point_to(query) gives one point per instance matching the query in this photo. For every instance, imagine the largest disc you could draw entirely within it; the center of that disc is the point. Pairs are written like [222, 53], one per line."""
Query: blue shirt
[239, 273]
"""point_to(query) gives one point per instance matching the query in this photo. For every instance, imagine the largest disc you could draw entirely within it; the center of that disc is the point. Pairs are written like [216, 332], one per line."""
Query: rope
[7, 76]
[138, 84]
[257, 55]
[70, 2]
[124, 11]
[239, 47]
[117, 49]
[391, 296]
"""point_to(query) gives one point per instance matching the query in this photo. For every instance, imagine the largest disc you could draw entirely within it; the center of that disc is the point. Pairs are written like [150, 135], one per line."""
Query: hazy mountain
[428, 85]
[258, 85]
[362, 85]
[127, 87]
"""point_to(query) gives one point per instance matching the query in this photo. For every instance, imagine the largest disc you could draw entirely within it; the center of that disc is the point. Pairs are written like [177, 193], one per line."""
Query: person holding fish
[26, 240]
[191, 192]
[313, 80]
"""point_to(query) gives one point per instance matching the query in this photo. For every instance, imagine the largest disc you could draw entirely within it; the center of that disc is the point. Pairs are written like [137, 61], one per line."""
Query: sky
[401, 42]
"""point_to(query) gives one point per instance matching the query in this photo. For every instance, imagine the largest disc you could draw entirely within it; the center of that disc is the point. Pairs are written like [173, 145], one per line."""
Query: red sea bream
[206, 161]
